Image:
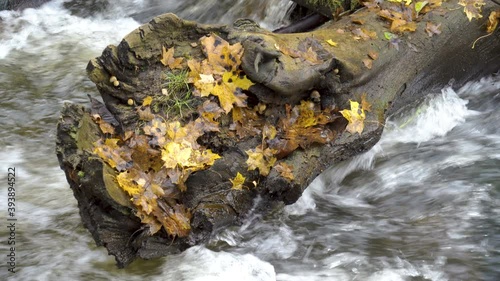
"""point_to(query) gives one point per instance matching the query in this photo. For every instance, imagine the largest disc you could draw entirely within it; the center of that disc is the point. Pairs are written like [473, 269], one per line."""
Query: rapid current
[422, 204]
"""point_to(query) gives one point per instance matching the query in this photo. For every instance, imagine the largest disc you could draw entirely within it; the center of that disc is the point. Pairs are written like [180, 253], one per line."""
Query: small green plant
[176, 95]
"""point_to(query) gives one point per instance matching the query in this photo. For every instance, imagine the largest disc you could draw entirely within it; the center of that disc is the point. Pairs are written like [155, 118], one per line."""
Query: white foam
[430, 120]
[201, 264]
[51, 32]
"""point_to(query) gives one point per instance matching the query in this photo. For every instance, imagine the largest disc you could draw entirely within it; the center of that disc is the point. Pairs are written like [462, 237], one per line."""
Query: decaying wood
[396, 79]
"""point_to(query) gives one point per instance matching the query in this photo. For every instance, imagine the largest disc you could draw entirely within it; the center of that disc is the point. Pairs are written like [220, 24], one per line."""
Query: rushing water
[423, 204]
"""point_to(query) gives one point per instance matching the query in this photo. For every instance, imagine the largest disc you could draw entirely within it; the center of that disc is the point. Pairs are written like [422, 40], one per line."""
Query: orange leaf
[285, 170]
[167, 58]
[493, 21]
[402, 26]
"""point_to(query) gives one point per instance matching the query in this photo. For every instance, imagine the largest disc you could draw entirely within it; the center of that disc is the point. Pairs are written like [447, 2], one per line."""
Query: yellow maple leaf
[238, 181]
[228, 93]
[183, 155]
[204, 83]
[176, 154]
[167, 58]
[307, 117]
[128, 184]
[221, 56]
[269, 132]
[355, 117]
[116, 156]
[260, 159]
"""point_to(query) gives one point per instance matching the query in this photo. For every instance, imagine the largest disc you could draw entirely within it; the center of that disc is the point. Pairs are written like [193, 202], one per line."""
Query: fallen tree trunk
[291, 115]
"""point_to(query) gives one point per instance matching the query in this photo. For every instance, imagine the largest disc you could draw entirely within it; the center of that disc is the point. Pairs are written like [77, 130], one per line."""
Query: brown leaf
[390, 15]
[365, 105]
[246, 122]
[167, 58]
[432, 29]
[370, 4]
[106, 128]
[401, 26]
[285, 170]
[359, 21]
[287, 51]
[157, 129]
[368, 63]
[175, 219]
[359, 34]
[373, 55]
[472, 8]
[145, 113]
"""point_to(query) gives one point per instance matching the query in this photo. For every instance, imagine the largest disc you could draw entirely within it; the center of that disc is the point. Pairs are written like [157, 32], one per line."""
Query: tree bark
[397, 79]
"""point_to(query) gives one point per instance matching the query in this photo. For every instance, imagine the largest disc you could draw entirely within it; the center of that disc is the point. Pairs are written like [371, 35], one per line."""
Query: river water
[422, 204]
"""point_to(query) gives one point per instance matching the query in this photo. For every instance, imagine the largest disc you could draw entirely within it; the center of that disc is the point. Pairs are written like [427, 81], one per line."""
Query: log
[288, 70]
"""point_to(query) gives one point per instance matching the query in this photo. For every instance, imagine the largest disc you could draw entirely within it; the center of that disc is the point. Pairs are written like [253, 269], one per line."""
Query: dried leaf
[145, 113]
[371, 4]
[105, 127]
[285, 170]
[260, 159]
[221, 56]
[167, 58]
[246, 122]
[118, 157]
[432, 29]
[228, 92]
[301, 127]
[238, 181]
[288, 51]
[355, 116]
[362, 34]
[175, 219]
[493, 19]
[182, 155]
[373, 55]
[365, 105]
[368, 63]
[472, 8]
[401, 26]
[420, 5]
[157, 129]
[269, 132]
[311, 56]
[358, 21]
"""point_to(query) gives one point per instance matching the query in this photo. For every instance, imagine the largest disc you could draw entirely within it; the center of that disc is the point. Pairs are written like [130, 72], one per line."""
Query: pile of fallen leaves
[403, 15]
[152, 163]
